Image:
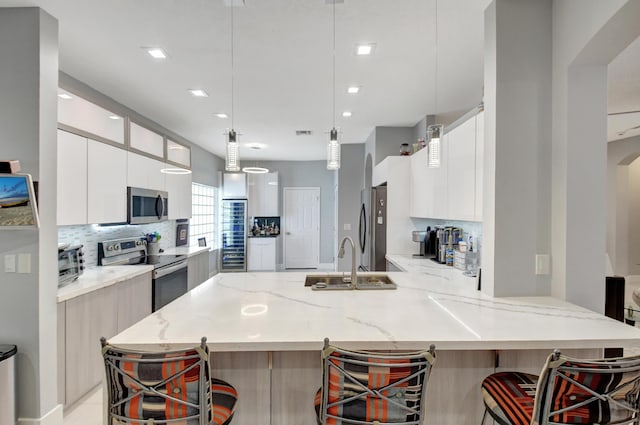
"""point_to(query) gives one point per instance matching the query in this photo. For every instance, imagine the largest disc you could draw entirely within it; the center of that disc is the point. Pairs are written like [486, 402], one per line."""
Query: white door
[301, 227]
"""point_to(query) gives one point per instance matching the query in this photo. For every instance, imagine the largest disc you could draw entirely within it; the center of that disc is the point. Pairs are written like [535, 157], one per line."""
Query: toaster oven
[70, 264]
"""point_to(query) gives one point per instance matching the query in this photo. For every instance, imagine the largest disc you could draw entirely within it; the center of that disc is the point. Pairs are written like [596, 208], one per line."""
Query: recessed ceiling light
[157, 53]
[222, 115]
[346, 114]
[115, 117]
[365, 49]
[353, 89]
[256, 146]
[64, 96]
[198, 93]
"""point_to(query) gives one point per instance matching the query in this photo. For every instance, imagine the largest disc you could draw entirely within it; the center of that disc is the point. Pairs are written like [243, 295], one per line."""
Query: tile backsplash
[469, 228]
[90, 234]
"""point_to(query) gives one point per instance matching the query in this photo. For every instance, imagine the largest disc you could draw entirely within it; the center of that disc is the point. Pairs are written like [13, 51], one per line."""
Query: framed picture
[202, 241]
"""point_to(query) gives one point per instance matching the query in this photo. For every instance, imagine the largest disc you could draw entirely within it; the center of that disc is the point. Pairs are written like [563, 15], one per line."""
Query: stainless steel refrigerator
[233, 256]
[373, 229]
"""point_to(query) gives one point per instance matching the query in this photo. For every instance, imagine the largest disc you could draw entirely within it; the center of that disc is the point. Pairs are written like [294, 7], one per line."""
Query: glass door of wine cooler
[233, 257]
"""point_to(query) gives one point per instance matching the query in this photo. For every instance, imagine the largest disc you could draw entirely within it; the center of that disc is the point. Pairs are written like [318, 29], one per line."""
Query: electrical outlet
[543, 266]
[10, 263]
[24, 263]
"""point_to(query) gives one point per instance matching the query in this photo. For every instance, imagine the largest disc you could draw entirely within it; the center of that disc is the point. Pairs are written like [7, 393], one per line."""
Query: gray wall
[28, 115]
[309, 174]
[350, 183]
[389, 139]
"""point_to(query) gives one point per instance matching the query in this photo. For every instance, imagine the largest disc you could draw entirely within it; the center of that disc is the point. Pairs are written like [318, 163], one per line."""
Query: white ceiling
[283, 66]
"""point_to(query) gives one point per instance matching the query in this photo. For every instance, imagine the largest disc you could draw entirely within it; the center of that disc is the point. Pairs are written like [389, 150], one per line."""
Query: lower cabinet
[198, 270]
[81, 323]
[261, 254]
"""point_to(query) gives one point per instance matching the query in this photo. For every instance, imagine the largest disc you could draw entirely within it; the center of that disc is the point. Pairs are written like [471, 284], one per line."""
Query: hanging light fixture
[333, 148]
[232, 157]
[436, 131]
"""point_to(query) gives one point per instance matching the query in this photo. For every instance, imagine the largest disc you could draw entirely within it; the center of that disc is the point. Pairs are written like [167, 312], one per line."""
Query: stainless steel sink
[337, 283]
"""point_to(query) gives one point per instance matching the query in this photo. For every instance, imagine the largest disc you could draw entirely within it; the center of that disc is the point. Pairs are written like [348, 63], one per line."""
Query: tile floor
[88, 412]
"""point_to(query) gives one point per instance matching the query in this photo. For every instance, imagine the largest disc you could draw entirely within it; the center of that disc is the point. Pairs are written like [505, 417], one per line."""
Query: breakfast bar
[265, 332]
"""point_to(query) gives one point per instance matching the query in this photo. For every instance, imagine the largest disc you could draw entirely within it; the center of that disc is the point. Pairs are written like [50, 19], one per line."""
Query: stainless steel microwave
[146, 206]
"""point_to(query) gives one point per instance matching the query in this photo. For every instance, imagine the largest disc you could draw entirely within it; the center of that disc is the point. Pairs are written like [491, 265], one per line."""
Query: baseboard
[54, 417]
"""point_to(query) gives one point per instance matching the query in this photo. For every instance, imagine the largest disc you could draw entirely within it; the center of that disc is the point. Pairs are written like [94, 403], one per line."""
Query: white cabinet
[439, 206]
[133, 300]
[72, 179]
[198, 270]
[146, 140]
[178, 186]
[261, 254]
[178, 153]
[106, 183]
[145, 172]
[461, 171]
[234, 185]
[79, 113]
[262, 192]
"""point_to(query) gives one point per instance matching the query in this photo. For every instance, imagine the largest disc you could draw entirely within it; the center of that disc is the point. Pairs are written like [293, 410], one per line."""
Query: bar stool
[568, 391]
[165, 387]
[367, 388]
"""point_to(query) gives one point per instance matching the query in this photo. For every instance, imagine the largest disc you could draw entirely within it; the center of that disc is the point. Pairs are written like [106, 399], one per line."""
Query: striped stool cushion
[225, 398]
[509, 397]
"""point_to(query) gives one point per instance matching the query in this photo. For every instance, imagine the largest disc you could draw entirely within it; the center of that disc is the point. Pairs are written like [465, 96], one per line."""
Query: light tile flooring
[88, 412]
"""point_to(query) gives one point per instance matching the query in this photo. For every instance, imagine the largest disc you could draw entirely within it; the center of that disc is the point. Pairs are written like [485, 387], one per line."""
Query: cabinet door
[419, 186]
[179, 189]
[254, 255]
[479, 164]
[461, 172]
[269, 254]
[145, 172]
[134, 300]
[198, 270]
[146, 140]
[88, 318]
[270, 195]
[107, 183]
[439, 205]
[61, 352]
[255, 194]
[72, 179]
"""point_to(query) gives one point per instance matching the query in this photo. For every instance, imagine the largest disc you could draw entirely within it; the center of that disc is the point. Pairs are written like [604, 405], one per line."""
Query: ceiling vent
[304, 132]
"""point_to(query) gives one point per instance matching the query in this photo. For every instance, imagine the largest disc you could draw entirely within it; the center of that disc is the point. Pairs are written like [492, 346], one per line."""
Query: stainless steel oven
[169, 276]
[146, 206]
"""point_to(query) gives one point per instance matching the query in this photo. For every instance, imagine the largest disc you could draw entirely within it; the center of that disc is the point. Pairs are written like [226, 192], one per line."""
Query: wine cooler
[233, 257]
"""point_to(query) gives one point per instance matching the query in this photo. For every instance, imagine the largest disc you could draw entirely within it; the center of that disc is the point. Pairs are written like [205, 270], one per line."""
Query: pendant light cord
[232, 73]
[334, 63]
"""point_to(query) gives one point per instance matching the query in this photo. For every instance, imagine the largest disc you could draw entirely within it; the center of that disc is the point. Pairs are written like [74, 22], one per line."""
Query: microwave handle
[160, 203]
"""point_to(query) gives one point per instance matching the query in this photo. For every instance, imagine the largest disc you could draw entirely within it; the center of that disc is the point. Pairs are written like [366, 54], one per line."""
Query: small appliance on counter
[70, 263]
[420, 237]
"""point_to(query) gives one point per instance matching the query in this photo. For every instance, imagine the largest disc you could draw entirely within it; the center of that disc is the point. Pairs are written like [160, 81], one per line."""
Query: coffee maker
[419, 236]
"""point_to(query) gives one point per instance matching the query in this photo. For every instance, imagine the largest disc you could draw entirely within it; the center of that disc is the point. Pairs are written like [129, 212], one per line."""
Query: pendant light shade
[232, 158]
[333, 151]
[434, 136]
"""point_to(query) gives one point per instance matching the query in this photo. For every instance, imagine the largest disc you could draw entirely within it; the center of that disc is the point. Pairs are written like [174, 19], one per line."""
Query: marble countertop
[275, 312]
[99, 277]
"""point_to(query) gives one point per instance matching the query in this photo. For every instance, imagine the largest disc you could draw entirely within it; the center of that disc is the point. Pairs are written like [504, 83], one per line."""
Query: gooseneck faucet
[353, 278]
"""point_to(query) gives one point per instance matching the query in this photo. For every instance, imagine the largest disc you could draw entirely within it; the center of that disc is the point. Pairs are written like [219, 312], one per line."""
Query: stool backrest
[158, 387]
[373, 387]
[575, 391]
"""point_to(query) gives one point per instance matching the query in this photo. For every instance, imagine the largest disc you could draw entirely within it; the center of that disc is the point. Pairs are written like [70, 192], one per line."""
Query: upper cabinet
[76, 112]
[178, 154]
[145, 140]
[145, 172]
[72, 178]
[262, 193]
[452, 191]
[178, 186]
[234, 185]
[107, 183]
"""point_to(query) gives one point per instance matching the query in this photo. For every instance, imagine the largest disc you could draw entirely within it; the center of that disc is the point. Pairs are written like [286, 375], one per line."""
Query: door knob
[288, 233]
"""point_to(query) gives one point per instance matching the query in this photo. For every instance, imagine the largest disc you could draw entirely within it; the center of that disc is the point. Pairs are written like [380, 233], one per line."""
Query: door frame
[285, 191]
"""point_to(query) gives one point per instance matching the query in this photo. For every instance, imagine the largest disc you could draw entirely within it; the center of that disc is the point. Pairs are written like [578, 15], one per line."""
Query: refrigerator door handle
[362, 229]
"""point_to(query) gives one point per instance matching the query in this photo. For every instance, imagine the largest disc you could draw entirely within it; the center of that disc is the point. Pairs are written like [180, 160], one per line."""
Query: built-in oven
[169, 275]
[146, 206]
[169, 282]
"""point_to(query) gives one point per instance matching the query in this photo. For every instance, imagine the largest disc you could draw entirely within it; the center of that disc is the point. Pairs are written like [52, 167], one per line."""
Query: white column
[28, 119]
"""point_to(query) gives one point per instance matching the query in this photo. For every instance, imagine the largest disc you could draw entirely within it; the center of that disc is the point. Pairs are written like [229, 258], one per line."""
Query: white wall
[350, 183]
[28, 119]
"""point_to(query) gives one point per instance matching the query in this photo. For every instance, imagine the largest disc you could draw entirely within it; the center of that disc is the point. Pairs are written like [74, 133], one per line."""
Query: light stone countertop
[95, 278]
[100, 277]
[275, 312]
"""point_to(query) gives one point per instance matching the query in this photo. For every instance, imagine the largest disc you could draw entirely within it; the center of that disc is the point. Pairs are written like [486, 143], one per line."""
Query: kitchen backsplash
[472, 228]
[90, 234]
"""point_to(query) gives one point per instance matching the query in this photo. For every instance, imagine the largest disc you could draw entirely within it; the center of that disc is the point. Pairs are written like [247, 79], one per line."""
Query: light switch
[10, 263]
[24, 263]
[347, 226]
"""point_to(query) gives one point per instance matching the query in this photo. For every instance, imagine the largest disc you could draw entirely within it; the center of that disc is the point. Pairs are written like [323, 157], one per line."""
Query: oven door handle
[158, 273]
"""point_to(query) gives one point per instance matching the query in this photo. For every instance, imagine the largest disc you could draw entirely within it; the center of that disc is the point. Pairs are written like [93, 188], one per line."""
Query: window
[204, 216]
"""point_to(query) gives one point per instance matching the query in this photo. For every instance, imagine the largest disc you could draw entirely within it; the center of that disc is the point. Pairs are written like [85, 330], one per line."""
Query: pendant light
[232, 157]
[333, 147]
[436, 131]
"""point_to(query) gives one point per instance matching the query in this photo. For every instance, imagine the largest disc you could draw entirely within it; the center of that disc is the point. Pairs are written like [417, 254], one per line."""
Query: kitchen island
[265, 331]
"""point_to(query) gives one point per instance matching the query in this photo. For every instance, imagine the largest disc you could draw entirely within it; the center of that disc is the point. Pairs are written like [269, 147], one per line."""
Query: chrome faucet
[353, 279]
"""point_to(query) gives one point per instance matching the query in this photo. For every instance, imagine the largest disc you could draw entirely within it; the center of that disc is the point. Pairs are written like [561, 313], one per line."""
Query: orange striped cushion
[509, 397]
